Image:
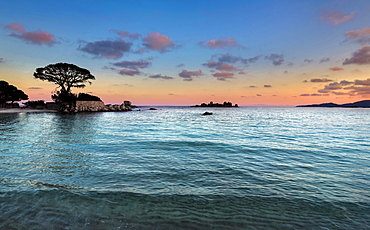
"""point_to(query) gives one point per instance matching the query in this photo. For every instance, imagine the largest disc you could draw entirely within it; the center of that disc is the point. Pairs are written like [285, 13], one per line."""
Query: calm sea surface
[241, 168]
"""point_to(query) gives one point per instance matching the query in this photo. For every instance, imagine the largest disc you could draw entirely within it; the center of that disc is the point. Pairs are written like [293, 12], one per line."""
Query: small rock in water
[152, 109]
[207, 113]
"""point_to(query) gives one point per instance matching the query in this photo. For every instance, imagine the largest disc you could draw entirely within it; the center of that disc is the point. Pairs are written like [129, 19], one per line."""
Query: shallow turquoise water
[241, 168]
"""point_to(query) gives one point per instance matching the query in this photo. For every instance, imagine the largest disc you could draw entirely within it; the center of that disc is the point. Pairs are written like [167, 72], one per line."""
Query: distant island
[211, 104]
[358, 104]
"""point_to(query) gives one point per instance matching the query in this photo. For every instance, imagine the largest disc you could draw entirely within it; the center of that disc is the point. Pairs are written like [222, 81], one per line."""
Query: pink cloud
[360, 36]
[226, 67]
[128, 34]
[220, 43]
[158, 42]
[336, 69]
[129, 72]
[1, 60]
[336, 17]
[37, 37]
[360, 57]
[222, 76]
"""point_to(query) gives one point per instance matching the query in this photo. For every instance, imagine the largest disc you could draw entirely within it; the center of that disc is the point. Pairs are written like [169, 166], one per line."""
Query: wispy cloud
[277, 59]
[106, 48]
[36, 37]
[336, 17]
[220, 43]
[267, 86]
[324, 60]
[359, 36]
[320, 80]
[2, 60]
[313, 95]
[351, 88]
[188, 75]
[160, 76]
[336, 68]
[129, 72]
[34, 88]
[140, 64]
[360, 57]
[127, 34]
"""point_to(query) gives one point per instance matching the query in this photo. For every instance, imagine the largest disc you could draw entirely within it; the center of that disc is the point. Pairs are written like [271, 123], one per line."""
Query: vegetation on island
[211, 104]
[10, 93]
[66, 76]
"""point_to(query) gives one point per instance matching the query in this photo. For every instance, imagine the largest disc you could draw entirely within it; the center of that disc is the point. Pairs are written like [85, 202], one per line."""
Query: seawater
[172, 168]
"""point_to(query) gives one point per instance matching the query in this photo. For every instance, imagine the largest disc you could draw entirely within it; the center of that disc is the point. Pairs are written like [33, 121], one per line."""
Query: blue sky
[186, 52]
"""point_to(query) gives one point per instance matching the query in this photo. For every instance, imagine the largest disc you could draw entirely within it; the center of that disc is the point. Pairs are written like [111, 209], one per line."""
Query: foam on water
[255, 168]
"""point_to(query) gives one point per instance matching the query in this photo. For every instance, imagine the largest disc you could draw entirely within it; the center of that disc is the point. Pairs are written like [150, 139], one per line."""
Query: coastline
[24, 110]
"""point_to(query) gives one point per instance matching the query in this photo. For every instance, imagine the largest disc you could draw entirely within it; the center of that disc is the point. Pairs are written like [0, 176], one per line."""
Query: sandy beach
[24, 110]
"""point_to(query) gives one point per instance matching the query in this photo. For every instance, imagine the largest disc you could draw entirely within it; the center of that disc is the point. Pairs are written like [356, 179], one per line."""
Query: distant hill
[358, 104]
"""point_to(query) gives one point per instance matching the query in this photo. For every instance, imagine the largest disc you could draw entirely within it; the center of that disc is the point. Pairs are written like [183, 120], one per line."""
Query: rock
[207, 113]
[152, 109]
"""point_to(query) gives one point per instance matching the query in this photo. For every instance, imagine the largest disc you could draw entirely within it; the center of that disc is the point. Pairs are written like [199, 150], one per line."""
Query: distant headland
[211, 104]
[358, 104]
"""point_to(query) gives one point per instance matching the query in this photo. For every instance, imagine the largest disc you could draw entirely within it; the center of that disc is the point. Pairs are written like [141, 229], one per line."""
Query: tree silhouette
[11, 93]
[66, 76]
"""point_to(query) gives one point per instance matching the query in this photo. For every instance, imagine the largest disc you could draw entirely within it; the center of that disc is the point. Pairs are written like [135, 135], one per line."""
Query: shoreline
[24, 110]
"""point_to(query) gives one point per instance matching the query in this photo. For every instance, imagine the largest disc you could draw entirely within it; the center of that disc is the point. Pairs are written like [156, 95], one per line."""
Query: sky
[164, 52]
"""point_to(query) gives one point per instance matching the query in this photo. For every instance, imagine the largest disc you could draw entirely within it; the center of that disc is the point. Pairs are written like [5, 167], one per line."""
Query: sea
[172, 168]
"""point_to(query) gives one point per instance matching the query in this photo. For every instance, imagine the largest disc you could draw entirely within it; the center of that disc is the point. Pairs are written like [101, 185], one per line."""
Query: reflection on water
[261, 168]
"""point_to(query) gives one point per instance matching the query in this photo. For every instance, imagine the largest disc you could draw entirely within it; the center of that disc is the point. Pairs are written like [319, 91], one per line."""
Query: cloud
[220, 43]
[36, 37]
[252, 86]
[2, 60]
[160, 76]
[128, 34]
[32, 88]
[320, 80]
[212, 64]
[308, 61]
[360, 36]
[333, 86]
[140, 64]
[313, 95]
[108, 49]
[336, 17]
[324, 60]
[258, 95]
[353, 88]
[344, 83]
[188, 75]
[227, 58]
[360, 57]
[336, 69]
[129, 72]
[222, 76]
[362, 82]
[277, 59]
[180, 65]
[109, 68]
[226, 67]
[267, 86]
[158, 42]
[242, 72]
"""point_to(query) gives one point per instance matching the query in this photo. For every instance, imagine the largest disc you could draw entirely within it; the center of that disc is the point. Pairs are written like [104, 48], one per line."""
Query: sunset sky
[271, 52]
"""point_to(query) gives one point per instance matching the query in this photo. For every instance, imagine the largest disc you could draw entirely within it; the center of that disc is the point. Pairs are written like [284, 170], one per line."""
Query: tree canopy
[66, 76]
[11, 93]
